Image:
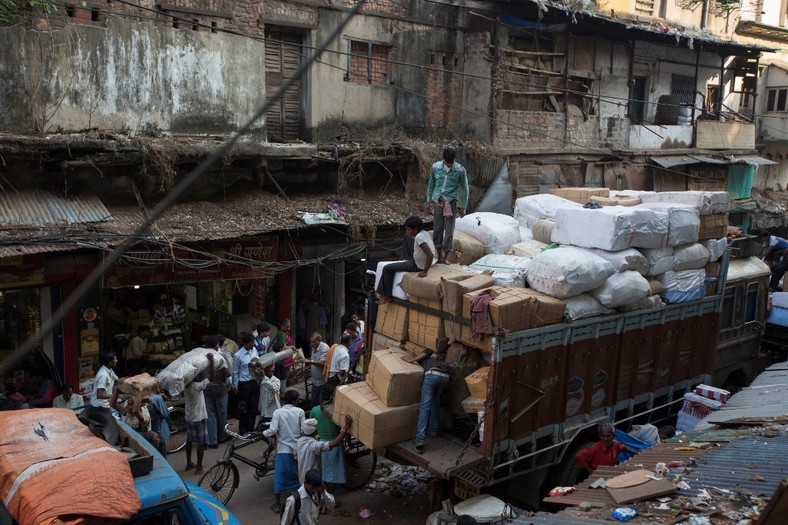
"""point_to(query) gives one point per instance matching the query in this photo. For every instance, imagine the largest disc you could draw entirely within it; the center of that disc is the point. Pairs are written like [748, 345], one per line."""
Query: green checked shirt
[448, 183]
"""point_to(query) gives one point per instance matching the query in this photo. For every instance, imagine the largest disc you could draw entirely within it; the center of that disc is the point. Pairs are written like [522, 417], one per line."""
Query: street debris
[398, 480]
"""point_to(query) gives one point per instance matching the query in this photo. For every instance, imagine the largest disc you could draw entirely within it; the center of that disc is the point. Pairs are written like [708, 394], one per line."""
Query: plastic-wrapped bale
[613, 228]
[683, 221]
[396, 291]
[652, 301]
[584, 306]
[497, 232]
[707, 202]
[186, 367]
[683, 286]
[690, 257]
[568, 271]
[660, 260]
[496, 263]
[622, 289]
[543, 230]
[465, 249]
[625, 260]
[716, 248]
[509, 279]
[527, 248]
[528, 210]
[526, 234]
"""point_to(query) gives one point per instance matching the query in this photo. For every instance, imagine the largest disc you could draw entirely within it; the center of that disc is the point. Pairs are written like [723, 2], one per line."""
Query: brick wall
[444, 90]
[369, 66]
[544, 129]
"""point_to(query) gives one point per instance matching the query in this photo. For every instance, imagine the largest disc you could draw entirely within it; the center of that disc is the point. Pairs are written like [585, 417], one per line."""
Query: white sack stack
[690, 257]
[660, 260]
[497, 232]
[612, 228]
[622, 289]
[716, 248]
[707, 202]
[567, 271]
[528, 210]
[625, 260]
[684, 285]
[683, 221]
[584, 306]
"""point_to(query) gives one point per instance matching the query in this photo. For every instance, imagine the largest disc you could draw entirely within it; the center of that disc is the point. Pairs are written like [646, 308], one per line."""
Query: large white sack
[497, 232]
[527, 248]
[501, 263]
[625, 260]
[707, 202]
[716, 248]
[567, 271]
[683, 221]
[543, 230]
[652, 301]
[528, 210]
[396, 290]
[584, 306]
[526, 234]
[611, 228]
[683, 280]
[690, 257]
[186, 367]
[509, 279]
[622, 289]
[660, 260]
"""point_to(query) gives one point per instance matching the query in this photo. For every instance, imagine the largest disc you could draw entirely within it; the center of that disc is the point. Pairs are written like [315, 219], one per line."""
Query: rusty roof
[43, 208]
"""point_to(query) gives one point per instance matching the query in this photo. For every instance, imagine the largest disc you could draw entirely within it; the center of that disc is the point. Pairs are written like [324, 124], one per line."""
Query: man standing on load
[447, 178]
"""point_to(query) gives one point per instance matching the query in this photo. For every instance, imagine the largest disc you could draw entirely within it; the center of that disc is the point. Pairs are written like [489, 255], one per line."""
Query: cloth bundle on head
[309, 426]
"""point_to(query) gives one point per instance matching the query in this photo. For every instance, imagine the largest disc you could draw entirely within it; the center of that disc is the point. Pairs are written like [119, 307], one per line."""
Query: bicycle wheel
[177, 423]
[360, 465]
[220, 481]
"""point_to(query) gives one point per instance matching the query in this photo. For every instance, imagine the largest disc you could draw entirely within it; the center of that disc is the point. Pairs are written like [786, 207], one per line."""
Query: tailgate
[443, 456]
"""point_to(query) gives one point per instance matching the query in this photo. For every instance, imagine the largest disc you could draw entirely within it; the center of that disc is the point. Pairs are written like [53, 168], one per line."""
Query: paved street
[252, 499]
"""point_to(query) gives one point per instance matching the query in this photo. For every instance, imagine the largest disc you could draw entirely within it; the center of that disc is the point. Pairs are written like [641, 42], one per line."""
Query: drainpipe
[703, 14]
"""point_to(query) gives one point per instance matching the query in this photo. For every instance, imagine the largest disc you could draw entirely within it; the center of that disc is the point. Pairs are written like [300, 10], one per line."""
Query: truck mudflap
[443, 456]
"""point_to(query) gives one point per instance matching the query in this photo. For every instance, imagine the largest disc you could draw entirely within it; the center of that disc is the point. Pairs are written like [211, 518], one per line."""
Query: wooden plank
[517, 52]
[648, 490]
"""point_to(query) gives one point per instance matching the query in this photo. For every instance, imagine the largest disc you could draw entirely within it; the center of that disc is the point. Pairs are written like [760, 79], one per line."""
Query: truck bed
[443, 455]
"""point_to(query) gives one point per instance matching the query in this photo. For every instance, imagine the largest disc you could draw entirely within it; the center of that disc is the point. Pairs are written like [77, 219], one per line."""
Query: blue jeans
[217, 418]
[429, 408]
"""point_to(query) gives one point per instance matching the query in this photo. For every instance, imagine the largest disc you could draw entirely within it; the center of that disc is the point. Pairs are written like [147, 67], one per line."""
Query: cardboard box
[392, 321]
[432, 304]
[426, 330]
[381, 342]
[713, 226]
[580, 195]
[453, 331]
[429, 287]
[477, 383]
[518, 309]
[453, 290]
[486, 344]
[374, 424]
[711, 392]
[395, 381]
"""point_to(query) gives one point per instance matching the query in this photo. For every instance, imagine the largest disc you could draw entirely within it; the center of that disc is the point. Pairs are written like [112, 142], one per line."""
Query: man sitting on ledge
[423, 256]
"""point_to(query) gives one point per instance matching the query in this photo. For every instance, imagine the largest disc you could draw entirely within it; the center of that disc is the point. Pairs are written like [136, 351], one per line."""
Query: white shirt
[308, 450]
[419, 257]
[286, 426]
[269, 396]
[75, 402]
[340, 361]
[318, 354]
[310, 507]
[195, 401]
[105, 379]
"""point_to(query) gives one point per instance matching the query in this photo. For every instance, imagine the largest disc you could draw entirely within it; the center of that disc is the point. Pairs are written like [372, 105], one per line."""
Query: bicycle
[176, 420]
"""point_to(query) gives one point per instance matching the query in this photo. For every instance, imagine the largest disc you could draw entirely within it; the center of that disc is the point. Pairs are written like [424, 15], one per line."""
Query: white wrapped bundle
[567, 271]
[497, 232]
[527, 248]
[683, 221]
[526, 234]
[707, 202]
[622, 289]
[396, 290]
[543, 230]
[509, 279]
[502, 263]
[652, 301]
[186, 367]
[660, 260]
[584, 306]
[528, 210]
[716, 248]
[625, 260]
[690, 257]
[612, 228]
[684, 285]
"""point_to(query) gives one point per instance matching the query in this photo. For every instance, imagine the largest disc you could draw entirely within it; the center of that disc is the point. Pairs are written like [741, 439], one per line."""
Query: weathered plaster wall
[128, 75]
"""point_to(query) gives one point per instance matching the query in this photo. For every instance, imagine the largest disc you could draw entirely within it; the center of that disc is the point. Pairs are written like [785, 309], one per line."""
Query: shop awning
[43, 208]
[669, 161]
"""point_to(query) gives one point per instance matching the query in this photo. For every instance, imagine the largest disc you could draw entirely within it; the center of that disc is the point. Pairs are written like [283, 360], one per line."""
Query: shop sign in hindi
[208, 261]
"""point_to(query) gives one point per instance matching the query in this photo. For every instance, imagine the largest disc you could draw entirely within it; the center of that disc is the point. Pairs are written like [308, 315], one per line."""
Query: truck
[548, 388]
[164, 496]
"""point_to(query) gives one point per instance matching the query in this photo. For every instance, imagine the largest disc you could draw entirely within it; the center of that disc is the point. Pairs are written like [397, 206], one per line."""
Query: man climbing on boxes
[423, 256]
[447, 179]
[436, 379]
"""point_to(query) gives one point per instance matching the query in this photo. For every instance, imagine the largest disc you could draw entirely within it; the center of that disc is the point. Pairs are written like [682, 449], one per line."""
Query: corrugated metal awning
[754, 160]
[669, 161]
[42, 208]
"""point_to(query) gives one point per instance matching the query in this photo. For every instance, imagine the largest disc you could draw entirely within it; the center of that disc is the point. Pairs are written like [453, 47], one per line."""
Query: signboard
[22, 270]
[208, 261]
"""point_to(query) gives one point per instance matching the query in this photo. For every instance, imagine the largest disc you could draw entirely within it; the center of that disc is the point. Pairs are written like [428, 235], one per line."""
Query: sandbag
[497, 232]
[543, 230]
[186, 367]
[528, 210]
[429, 287]
[690, 256]
[612, 228]
[527, 248]
[625, 260]
[567, 271]
[707, 202]
[584, 306]
[660, 260]
[683, 221]
[621, 289]
[652, 301]
[716, 248]
[465, 249]
[396, 290]
[453, 290]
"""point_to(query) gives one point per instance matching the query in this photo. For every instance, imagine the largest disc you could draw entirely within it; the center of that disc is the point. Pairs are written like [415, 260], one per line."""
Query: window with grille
[644, 7]
[684, 87]
[776, 99]
[368, 63]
